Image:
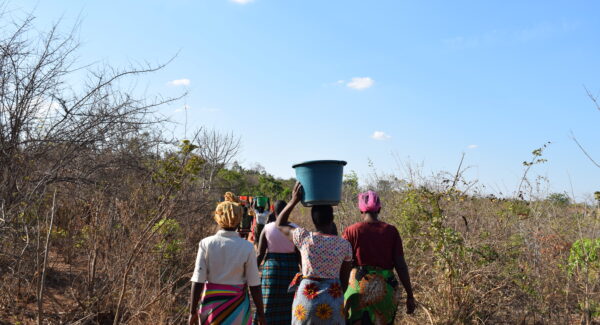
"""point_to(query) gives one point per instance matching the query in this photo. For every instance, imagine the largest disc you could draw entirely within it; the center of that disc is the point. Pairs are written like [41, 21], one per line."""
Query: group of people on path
[308, 277]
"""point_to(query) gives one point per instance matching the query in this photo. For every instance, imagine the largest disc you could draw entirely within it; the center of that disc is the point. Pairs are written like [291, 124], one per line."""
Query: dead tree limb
[40, 301]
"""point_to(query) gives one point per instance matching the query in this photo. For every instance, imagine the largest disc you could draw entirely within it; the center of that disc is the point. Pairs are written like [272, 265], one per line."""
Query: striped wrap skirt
[225, 304]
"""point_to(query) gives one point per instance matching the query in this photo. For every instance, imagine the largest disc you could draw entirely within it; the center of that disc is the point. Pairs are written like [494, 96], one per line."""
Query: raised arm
[283, 217]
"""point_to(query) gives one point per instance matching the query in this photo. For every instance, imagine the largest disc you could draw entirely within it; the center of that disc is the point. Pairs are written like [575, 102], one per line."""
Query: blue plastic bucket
[321, 180]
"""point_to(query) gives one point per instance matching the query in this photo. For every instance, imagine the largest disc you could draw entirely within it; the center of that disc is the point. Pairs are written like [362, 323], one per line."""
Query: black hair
[334, 230]
[322, 215]
[279, 206]
[271, 217]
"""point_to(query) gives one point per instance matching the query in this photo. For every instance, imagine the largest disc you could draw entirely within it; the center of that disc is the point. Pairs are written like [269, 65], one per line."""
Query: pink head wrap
[369, 202]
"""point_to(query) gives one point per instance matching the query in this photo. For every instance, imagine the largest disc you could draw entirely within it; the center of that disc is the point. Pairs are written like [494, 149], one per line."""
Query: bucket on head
[321, 180]
[261, 201]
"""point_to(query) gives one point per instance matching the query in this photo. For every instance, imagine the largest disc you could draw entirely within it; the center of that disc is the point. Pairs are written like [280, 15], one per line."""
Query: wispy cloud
[545, 31]
[360, 83]
[242, 2]
[380, 136]
[182, 108]
[536, 32]
[179, 82]
[472, 146]
[46, 107]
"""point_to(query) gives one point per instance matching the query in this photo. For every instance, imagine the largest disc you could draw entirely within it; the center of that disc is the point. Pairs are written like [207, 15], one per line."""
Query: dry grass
[473, 260]
[476, 260]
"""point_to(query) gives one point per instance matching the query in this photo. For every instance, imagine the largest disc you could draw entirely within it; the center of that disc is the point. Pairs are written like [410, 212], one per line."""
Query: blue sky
[386, 81]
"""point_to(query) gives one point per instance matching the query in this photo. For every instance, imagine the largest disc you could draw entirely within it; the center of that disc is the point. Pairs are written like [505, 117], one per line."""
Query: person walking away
[326, 265]
[372, 296]
[261, 215]
[246, 222]
[225, 266]
[281, 264]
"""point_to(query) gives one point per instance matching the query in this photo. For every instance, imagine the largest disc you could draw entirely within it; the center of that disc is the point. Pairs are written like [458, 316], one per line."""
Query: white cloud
[360, 83]
[182, 108]
[472, 146]
[380, 135]
[179, 82]
[47, 107]
[242, 2]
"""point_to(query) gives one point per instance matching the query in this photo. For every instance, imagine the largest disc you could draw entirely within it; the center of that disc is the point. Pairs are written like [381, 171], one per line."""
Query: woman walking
[225, 266]
[326, 260]
[261, 215]
[281, 264]
[372, 296]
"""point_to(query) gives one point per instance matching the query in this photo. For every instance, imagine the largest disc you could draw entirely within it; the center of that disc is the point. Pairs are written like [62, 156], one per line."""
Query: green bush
[561, 199]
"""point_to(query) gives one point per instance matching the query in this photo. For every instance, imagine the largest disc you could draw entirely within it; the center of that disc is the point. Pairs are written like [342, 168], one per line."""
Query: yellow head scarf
[229, 212]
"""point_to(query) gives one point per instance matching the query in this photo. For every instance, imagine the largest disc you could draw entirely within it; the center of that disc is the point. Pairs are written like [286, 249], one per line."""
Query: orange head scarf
[229, 212]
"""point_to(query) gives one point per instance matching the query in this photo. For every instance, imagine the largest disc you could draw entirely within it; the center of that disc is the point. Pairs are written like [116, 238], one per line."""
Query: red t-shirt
[374, 244]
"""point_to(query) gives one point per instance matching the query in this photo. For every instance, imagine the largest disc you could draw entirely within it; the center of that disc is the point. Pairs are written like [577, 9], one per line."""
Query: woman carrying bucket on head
[326, 264]
[261, 215]
[372, 296]
[225, 266]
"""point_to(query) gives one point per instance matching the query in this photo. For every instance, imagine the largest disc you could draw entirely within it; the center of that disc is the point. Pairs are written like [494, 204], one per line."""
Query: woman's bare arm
[256, 293]
[262, 248]
[345, 274]
[197, 289]
[402, 270]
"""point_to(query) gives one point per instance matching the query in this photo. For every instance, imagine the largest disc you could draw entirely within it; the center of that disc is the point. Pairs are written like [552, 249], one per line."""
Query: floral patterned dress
[319, 296]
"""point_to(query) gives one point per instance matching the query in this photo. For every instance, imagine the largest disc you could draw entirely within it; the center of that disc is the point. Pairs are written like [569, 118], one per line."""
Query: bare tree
[217, 149]
[56, 132]
[43, 117]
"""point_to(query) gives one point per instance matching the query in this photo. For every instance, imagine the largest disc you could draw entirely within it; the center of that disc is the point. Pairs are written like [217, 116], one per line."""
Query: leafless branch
[583, 150]
[593, 97]
[40, 298]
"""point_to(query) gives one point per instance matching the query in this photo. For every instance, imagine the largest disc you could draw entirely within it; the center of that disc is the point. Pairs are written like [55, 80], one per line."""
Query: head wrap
[229, 212]
[369, 202]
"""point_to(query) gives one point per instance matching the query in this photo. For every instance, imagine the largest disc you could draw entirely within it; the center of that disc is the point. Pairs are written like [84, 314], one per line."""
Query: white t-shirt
[261, 218]
[226, 258]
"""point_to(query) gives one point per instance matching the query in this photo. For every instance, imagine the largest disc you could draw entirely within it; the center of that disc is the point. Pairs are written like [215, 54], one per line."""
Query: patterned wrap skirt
[318, 302]
[372, 293]
[278, 271]
[224, 304]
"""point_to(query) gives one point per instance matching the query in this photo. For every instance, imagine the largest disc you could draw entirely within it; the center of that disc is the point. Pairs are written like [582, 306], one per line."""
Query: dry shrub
[483, 260]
